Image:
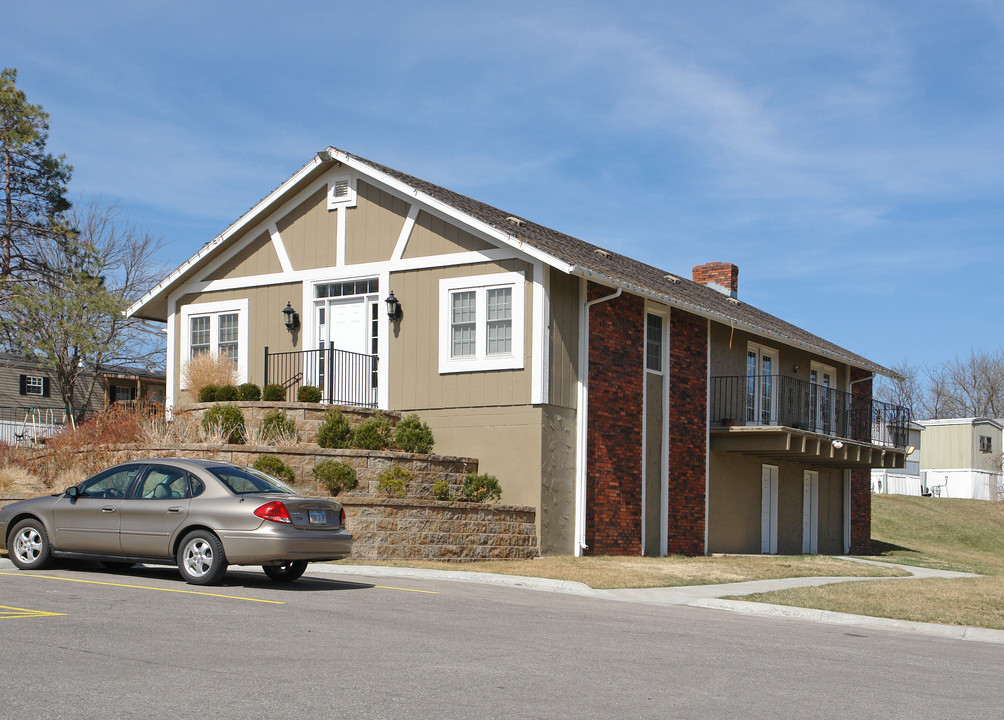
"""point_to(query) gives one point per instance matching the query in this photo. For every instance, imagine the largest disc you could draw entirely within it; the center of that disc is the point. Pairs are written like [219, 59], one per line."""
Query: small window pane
[653, 343]
[34, 386]
[228, 333]
[464, 316]
[200, 335]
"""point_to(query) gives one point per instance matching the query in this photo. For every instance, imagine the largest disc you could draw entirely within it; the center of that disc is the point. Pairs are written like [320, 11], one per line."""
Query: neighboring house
[908, 480]
[640, 412]
[961, 458]
[31, 406]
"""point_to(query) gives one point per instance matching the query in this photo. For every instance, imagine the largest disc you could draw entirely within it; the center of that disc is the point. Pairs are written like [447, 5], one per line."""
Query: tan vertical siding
[414, 346]
[373, 226]
[432, 236]
[257, 258]
[830, 519]
[265, 324]
[564, 350]
[309, 233]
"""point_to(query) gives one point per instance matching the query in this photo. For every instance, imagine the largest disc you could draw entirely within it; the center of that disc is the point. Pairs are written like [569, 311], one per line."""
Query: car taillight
[341, 516]
[274, 511]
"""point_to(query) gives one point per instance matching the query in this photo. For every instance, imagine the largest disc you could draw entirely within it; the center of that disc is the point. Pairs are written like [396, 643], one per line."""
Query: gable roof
[567, 253]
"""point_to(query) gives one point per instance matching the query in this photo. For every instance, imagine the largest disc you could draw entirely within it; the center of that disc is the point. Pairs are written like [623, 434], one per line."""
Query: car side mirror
[73, 492]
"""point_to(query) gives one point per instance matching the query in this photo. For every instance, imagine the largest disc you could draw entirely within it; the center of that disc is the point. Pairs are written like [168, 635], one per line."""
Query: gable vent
[341, 189]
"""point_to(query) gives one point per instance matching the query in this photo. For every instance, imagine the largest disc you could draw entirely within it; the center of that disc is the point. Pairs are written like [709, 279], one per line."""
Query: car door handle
[108, 508]
[175, 510]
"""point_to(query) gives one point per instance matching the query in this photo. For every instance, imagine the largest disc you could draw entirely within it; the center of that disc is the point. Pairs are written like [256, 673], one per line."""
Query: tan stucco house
[639, 411]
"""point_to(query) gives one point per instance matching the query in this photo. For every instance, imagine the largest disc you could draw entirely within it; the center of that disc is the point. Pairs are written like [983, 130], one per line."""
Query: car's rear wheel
[287, 572]
[200, 558]
[28, 545]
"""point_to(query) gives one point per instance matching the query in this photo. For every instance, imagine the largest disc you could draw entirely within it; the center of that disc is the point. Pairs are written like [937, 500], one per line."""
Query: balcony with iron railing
[765, 401]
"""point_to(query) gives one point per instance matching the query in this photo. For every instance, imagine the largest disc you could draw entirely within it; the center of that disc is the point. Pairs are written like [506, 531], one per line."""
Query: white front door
[768, 509]
[810, 512]
[349, 325]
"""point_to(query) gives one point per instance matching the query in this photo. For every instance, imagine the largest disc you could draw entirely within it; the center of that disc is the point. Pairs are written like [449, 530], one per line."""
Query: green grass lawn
[942, 533]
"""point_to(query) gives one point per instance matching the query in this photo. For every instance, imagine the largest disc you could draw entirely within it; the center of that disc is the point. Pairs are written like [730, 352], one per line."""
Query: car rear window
[247, 481]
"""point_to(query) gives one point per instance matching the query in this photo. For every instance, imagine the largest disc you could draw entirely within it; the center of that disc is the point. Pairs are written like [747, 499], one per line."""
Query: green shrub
[335, 431]
[226, 393]
[336, 476]
[394, 482]
[441, 490]
[412, 435]
[372, 434]
[226, 420]
[274, 466]
[308, 394]
[249, 392]
[277, 425]
[480, 488]
[273, 393]
[208, 393]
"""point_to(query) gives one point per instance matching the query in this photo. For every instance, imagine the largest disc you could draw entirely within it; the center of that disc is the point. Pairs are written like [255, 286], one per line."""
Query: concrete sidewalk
[705, 596]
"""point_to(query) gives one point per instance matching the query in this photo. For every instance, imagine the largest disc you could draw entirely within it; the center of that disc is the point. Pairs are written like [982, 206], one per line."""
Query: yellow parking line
[7, 612]
[145, 587]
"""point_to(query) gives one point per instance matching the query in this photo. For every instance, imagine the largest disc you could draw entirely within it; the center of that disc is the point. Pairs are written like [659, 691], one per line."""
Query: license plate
[317, 517]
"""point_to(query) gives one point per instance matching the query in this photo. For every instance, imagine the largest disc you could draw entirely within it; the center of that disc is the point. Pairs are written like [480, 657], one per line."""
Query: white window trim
[40, 385]
[480, 284]
[349, 200]
[214, 310]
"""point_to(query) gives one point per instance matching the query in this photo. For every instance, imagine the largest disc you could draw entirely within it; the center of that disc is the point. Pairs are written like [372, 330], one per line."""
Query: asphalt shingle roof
[634, 275]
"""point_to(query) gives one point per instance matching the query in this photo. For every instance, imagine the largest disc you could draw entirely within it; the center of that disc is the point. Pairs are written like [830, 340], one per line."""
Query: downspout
[582, 422]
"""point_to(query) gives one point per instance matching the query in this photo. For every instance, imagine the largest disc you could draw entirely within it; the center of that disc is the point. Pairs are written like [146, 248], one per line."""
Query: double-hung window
[219, 328]
[481, 323]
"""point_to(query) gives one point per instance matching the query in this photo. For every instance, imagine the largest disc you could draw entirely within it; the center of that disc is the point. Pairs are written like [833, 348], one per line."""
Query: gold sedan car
[198, 514]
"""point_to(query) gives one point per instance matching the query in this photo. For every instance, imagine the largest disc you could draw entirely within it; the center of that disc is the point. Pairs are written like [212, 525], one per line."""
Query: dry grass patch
[970, 602]
[607, 572]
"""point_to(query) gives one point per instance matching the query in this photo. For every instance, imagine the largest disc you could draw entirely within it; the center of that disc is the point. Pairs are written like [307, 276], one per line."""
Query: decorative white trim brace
[280, 249]
[402, 239]
[540, 337]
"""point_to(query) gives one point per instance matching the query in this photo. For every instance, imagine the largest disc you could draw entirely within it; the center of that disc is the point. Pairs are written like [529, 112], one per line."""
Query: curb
[955, 632]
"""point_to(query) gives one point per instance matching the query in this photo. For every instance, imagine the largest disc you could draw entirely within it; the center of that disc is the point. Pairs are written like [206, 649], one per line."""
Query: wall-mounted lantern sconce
[291, 317]
[837, 444]
[393, 306]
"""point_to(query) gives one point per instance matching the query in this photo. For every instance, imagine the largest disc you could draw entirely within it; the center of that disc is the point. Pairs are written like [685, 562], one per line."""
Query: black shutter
[24, 385]
[111, 394]
[132, 393]
[45, 387]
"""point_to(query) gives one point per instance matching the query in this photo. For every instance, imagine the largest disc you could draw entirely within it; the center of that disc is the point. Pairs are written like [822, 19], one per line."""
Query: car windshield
[247, 481]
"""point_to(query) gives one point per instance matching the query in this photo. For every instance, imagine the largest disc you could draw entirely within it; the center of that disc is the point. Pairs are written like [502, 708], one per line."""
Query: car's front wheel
[200, 558]
[28, 545]
[287, 572]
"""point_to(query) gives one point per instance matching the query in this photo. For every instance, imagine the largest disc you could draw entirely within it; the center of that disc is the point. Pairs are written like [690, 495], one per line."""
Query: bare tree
[71, 316]
[907, 392]
[970, 387]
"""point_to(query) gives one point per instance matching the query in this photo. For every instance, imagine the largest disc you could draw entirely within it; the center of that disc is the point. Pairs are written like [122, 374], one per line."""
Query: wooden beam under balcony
[776, 442]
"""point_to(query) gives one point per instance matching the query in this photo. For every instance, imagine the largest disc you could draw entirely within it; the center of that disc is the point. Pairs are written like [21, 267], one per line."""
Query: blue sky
[847, 156]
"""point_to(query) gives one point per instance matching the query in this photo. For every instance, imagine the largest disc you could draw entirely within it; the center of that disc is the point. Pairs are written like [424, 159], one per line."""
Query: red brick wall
[688, 412]
[861, 489]
[724, 274]
[614, 443]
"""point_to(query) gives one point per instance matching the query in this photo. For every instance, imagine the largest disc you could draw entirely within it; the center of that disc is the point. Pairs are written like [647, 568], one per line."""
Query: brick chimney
[723, 277]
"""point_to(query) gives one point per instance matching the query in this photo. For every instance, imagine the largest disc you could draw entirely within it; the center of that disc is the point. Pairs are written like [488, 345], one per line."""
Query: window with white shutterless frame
[481, 323]
[220, 328]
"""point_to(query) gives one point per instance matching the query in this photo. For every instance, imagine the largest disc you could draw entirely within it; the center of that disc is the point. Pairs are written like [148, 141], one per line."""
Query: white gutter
[582, 419]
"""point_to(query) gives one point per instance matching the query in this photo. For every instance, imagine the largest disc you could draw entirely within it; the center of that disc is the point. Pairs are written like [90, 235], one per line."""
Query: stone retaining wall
[414, 528]
[307, 416]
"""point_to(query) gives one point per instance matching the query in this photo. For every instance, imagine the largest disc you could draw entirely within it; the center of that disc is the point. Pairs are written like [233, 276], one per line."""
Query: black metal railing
[344, 378]
[789, 402]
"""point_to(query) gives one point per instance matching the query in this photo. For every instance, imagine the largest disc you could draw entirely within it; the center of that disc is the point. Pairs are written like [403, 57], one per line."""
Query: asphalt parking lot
[86, 643]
